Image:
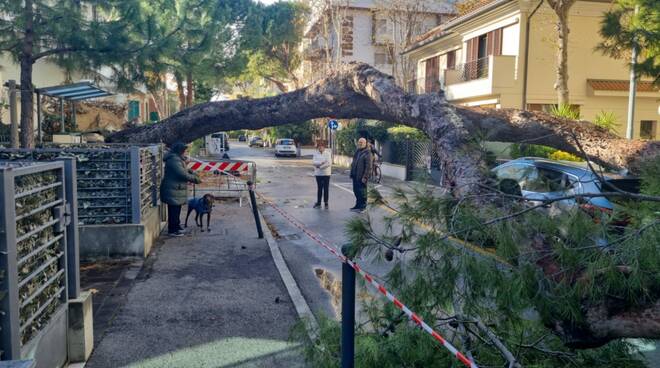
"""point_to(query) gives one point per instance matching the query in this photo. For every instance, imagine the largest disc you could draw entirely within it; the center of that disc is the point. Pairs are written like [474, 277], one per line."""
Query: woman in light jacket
[322, 169]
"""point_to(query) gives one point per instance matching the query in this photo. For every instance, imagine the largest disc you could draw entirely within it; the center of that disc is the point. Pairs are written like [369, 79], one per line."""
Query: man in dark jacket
[174, 187]
[361, 168]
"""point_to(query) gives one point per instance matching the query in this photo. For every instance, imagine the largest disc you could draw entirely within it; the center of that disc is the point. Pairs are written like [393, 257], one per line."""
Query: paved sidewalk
[205, 300]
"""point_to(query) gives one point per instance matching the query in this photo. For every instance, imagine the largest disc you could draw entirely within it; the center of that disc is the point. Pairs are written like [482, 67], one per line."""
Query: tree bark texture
[27, 62]
[562, 9]
[190, 90]
[180, 93]
[361, 91]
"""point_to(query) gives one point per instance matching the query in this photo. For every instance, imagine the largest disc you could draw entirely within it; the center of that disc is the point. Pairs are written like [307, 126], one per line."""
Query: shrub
[607, 120]
[563, 156]
[402, 133]
[566, 112]
[532, 150]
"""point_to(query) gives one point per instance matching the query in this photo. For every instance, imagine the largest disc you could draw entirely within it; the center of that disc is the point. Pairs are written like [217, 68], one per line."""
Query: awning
[74, 92]
[620, 85]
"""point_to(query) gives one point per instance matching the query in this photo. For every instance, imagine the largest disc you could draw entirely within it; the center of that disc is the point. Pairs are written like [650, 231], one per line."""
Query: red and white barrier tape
[196, 165]
[411, 315]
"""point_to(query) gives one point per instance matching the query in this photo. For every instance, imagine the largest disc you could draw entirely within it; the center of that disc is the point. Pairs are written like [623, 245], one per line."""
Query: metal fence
[116, 184]
[38, 234]
[415, 155]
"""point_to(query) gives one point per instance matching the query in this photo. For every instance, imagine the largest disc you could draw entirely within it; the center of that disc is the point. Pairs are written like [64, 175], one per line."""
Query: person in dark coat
[174, 187]
[361, 169]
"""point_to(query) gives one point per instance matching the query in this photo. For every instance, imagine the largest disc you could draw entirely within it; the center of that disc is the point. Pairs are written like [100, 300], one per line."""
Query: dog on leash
[202, 206]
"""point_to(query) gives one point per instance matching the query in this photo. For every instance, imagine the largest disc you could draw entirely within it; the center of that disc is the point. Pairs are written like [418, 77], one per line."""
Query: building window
[381, 27]
[382, 58]
[648, 129]
[451, 60]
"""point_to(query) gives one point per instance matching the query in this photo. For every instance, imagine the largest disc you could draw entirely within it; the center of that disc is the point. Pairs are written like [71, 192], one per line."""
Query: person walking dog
[361, 169]
[174, 187]
[322, 162]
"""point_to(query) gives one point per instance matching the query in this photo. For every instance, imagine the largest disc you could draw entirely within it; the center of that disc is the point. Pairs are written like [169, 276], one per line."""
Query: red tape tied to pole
[411, 315]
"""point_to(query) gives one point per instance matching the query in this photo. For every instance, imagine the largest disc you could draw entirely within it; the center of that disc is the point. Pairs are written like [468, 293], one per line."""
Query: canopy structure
[70, 92]
[74, 92]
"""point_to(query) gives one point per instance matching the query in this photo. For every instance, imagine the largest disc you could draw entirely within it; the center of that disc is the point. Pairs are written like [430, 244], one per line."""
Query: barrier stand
[347, 311]
[255, 210]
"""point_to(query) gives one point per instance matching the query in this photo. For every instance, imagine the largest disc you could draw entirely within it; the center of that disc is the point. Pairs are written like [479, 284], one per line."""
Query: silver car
[542, 179]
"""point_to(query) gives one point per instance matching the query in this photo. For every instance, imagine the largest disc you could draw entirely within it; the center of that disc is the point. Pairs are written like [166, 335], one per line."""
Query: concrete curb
[299, 302]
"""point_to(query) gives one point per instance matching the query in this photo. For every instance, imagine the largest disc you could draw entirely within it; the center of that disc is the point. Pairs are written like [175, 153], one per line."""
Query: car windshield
[615, 185]
[286, 142]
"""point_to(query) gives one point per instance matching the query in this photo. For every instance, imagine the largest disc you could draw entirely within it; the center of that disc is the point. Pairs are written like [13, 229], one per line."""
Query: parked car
[541, 179]
[242, 138]
[285, 147]
[256, 142]
[217, 143]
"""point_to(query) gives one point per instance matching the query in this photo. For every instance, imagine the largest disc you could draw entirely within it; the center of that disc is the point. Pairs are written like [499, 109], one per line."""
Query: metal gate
[418, 160]
[38, 247]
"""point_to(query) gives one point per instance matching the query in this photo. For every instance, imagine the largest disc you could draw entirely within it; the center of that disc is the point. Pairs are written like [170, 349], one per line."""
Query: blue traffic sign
[333, 124]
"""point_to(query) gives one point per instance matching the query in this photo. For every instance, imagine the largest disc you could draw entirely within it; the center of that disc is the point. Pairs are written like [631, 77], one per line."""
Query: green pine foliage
[451, 267]
[622, 28]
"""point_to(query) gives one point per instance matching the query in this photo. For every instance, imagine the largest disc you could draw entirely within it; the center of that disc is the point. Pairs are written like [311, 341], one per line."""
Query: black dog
[202, 206]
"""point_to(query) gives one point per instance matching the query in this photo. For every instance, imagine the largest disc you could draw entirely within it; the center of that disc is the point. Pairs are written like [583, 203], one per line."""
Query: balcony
[483, 77]
[469, 71]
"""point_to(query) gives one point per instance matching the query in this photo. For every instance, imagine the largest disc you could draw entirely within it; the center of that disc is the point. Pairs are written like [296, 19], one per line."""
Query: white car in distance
[285, 147]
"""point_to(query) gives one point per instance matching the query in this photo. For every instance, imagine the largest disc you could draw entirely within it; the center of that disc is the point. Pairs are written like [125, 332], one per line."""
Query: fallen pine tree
[547, 252]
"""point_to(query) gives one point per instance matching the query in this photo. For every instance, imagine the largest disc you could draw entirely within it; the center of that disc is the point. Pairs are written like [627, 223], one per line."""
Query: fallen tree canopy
[360, 91]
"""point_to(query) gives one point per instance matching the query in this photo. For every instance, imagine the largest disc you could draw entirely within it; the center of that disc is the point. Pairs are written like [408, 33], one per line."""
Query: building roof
[620, 85]
[74, 92]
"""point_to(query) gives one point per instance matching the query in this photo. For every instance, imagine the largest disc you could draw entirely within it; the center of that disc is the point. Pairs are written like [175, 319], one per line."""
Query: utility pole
[633, 86]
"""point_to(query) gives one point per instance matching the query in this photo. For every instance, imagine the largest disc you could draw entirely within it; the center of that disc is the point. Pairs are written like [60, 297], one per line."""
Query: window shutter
[472, 49]
[451, 60]
[494, 41]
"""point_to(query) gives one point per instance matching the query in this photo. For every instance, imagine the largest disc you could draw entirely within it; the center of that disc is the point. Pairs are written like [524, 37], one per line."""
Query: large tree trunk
[562, 9]
[561, 85]
[27, 61]
[180, 93]
[361, 91]
[190, 95]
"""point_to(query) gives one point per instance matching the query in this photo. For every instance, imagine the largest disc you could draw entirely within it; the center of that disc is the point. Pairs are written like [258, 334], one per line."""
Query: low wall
[49, 349]
[393, 171]
[389, 170]
[121, 240]
[342, 161]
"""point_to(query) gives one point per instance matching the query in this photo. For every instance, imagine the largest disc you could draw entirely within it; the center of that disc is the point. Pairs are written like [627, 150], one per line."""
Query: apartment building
[503, 54]
[361, 30]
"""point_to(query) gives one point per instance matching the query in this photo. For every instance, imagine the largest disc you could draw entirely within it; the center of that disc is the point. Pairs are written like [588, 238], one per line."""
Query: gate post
[255, 210]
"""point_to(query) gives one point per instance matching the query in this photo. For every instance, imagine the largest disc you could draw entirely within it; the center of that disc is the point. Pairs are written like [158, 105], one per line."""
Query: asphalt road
[290, 184]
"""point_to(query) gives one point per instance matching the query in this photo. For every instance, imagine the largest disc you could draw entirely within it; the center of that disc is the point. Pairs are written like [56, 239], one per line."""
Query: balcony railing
[469, 71]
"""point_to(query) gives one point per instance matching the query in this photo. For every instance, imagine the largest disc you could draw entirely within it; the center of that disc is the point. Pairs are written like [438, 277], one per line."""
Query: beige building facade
[360, 30]
[499, 56]
[90, 116]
